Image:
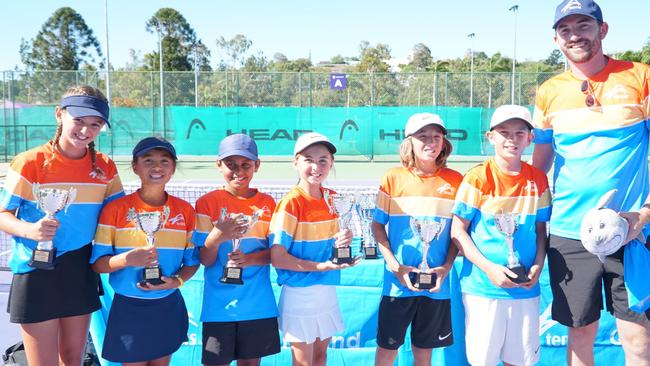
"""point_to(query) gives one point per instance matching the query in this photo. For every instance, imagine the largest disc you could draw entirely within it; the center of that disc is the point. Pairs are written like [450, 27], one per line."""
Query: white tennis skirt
[307, 313]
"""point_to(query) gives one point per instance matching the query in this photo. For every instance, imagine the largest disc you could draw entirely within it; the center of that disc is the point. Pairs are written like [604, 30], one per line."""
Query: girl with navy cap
[52, 299]
[148, 318]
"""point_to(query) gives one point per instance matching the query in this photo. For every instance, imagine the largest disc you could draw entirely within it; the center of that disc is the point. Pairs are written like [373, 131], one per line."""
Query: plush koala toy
[602, 230]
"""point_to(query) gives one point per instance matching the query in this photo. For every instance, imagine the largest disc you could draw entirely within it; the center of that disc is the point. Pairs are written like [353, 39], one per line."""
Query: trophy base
[520, 271]
[232, 276]
[151, 276]
[342, 255]
[43, 259]
[370, 253]
[423, 281]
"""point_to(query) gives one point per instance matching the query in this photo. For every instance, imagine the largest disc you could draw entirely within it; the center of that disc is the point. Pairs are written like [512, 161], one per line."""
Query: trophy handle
[72, 195]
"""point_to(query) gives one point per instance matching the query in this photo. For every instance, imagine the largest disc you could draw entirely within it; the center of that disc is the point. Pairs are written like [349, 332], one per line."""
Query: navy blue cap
[580, 7]
[238, 144]
[86, 105]
[149, 143]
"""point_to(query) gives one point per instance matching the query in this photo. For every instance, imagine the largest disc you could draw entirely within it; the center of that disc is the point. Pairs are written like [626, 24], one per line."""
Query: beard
[582, 54]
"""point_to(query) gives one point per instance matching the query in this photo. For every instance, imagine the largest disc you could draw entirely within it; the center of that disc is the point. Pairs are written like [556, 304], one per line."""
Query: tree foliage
[64, 42]
[373, 59]
[181, 48]
[235, 49]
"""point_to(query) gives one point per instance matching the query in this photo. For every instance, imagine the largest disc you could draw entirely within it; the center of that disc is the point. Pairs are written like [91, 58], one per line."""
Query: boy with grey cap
[594, 118]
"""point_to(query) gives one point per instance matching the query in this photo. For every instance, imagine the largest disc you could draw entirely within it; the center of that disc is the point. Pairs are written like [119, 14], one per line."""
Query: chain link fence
[24, 95]
[276, 89]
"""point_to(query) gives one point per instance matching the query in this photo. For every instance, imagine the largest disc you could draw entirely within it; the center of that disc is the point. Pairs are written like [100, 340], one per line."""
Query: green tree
[181, 48]
[373, 59]
[554, 59]
[421, 58]
[64, 42]
[235, 49]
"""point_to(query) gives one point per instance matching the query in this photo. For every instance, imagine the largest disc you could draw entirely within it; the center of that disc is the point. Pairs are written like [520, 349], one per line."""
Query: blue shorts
[145, 329]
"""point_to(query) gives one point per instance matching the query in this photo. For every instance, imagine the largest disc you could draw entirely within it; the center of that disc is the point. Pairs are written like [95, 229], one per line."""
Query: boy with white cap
[499, 222]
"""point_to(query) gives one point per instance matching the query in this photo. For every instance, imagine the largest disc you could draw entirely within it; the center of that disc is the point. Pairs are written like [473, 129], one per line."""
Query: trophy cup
[365, 205]
[506, 223]
[51, 201]
[150, 223]
[341, 205]
[231, 273]
[425, 230]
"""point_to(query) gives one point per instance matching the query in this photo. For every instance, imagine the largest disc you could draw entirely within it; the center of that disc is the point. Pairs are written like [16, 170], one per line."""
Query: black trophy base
[520, 271]
[370, 253]
[342, 255]
[151, 276]
[232, 275]
[43, 259]
[423, 281]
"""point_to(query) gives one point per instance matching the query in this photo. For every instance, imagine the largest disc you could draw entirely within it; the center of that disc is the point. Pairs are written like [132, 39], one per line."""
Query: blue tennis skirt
[145, 329]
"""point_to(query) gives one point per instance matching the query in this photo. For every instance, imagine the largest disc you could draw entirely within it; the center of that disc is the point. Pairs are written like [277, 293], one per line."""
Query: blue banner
[359, 295]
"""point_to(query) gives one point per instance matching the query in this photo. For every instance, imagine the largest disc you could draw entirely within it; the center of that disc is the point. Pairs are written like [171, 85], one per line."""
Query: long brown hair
[407, 156]
[88, 91]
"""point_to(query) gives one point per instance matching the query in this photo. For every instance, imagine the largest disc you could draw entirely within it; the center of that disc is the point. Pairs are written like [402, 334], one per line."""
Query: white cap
[508, 112]
[311, 138]
[419, 120]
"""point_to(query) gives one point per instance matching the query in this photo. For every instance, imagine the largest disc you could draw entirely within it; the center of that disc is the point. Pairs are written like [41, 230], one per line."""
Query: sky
[324, 29]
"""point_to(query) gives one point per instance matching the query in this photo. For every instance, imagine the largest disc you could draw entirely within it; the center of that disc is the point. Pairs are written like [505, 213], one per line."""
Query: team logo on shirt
[618, 93]
[446, 189]
[177, 220]
[531, 188]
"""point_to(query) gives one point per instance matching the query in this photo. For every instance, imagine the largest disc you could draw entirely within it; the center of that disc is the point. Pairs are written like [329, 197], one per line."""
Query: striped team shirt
[486, 191]
[304, 226]
[116, 234]
[402, 195]
[599, 148]
[49, 168]
[254, 299]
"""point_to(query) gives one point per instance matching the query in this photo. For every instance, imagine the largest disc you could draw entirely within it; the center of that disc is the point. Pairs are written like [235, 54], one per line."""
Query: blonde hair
[407, 156]
[85, 90]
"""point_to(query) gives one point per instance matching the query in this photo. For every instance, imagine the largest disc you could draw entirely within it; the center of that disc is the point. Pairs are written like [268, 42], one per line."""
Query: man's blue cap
[85, 105]
[580, 7]
[238, 144]
[149, 143]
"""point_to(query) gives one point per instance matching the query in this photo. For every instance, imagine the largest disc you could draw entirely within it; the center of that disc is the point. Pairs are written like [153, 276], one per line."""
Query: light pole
[162, 89]
[471, 70]
[514, 9]
[108, 60]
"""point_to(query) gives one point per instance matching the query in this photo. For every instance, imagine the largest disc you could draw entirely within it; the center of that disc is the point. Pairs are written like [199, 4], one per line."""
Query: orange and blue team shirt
[486, 191]
[45, 166]
[404, 194]
[305, 227]
[599, 148]
[254, 299]
[116, 234]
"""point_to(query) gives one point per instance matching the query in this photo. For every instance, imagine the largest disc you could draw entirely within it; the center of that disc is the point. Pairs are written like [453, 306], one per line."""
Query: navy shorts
[70, 289]
[145, 329]
[224, 342]
[430, 322]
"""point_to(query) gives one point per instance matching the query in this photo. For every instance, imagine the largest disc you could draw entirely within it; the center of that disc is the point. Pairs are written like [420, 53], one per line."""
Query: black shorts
[70, 289]
[224, 342]
[430, 322]
[577, 279]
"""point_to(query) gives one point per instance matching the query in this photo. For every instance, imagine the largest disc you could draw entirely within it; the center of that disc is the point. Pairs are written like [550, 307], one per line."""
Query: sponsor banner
[359, 296]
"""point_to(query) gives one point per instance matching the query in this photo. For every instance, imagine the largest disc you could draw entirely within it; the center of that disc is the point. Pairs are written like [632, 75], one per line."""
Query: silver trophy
[231, 273]
[341, 205]
[50, 201]
[506, 223]
[426, 230]
[365, 207]
[150, 223]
